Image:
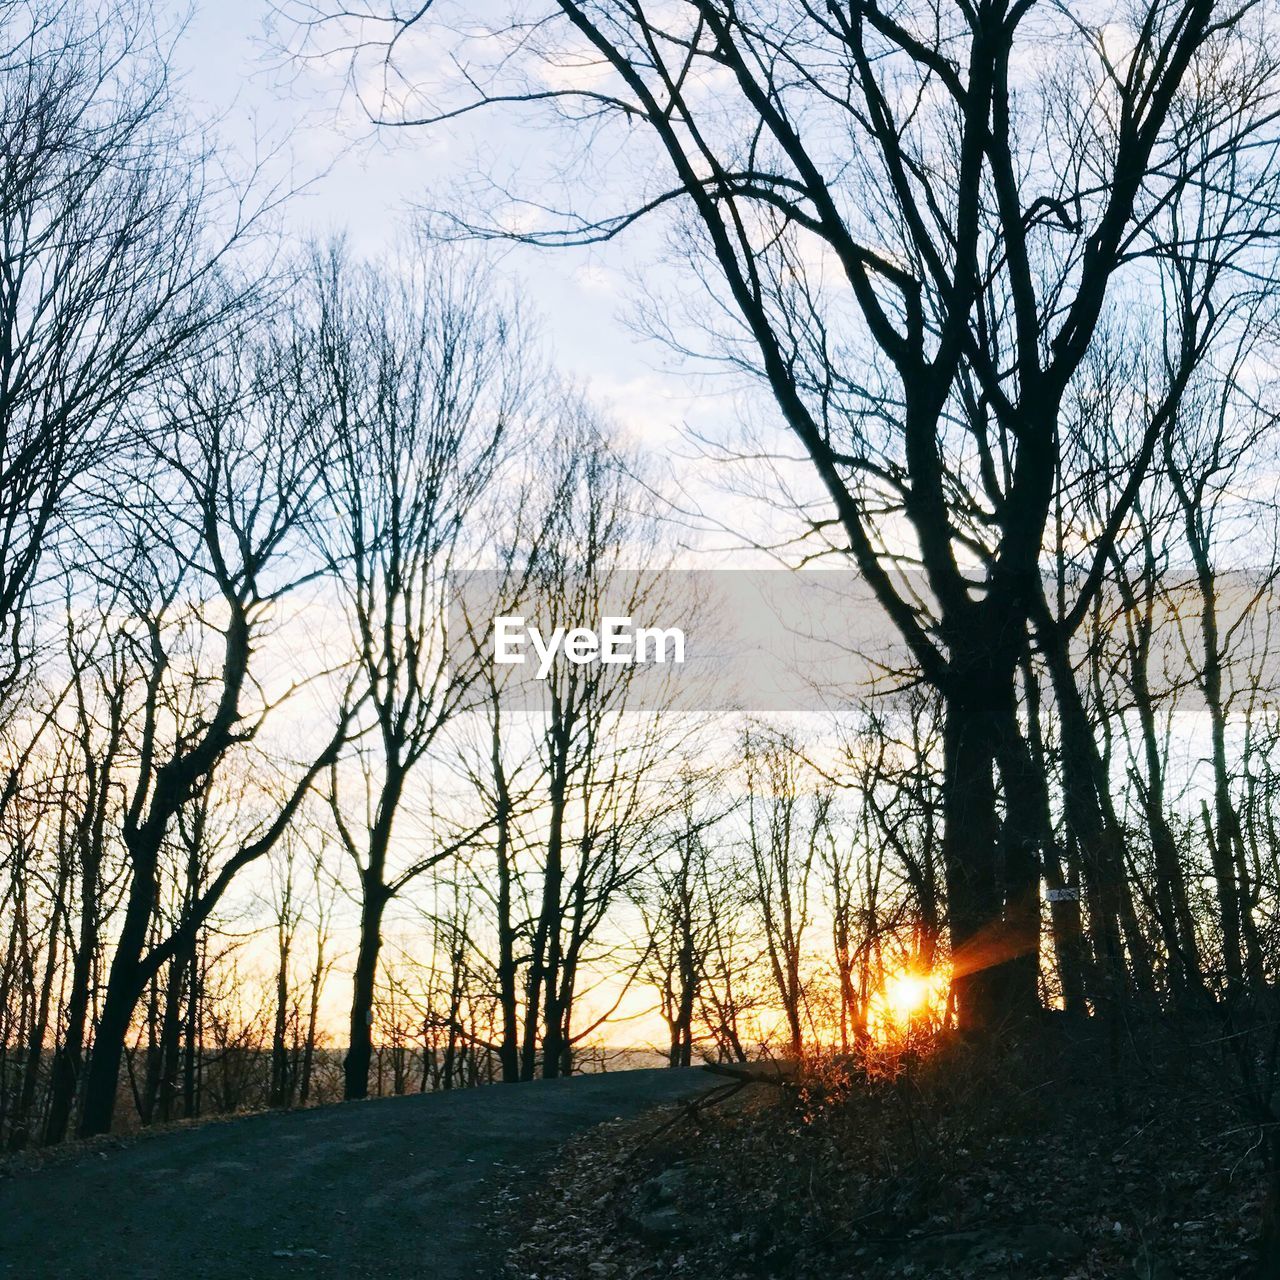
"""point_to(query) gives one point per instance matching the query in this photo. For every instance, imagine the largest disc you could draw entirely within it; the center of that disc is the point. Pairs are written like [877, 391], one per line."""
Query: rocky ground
[1067, 1162]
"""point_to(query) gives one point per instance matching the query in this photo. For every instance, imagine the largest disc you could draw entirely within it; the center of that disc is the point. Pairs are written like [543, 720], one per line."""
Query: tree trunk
[313, 1019]
[162, 1089]
[355, 1066]
[544, 960]
[281, 1090]
[1091, 819]
[68, 1058]
[1241, 949]
[509, 1045]
[190, 1049]
[125, 985]
[1022, 769]
[20, 1132]
[974, 898]
[682, 1043]
[1173, 903]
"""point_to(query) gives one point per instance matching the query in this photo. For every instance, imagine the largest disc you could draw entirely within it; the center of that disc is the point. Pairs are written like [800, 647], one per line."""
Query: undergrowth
[1058, 1156]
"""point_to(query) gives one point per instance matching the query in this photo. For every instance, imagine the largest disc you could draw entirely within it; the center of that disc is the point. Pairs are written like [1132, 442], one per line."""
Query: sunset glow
[908, 997]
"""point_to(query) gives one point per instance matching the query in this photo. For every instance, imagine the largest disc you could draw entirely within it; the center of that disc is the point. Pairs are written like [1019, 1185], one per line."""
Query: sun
[905, 994]
[908, 997]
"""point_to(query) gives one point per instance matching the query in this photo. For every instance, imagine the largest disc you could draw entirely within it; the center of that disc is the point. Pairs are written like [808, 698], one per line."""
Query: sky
[365, 184]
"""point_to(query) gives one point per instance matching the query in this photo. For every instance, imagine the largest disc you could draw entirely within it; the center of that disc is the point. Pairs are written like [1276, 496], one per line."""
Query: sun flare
[908, 997]
[905, 994]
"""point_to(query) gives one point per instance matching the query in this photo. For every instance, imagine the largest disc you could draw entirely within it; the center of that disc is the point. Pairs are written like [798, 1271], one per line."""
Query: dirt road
[392, 1188]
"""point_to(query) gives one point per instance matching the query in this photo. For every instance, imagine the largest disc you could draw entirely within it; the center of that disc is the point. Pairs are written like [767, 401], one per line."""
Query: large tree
[915, 219]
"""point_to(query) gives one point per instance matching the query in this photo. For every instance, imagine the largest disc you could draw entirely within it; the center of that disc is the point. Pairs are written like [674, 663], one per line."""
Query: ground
[391, 1188]
[1065, 1164]
[963, 1163]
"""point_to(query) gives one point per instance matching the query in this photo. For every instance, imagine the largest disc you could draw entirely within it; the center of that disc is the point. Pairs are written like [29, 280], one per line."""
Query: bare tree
[424, 379]
[786, 828]
[112, 249]
[211, 505]
[568, 768]
[93, 725]
[602, 739]
[679, 904]
[1224, 425]
[970, 241]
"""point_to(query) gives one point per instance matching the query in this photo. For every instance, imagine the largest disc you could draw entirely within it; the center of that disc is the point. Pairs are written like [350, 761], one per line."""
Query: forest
[994, 290]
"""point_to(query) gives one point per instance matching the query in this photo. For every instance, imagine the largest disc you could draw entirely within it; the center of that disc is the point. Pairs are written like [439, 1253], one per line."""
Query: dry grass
[1023, 1162]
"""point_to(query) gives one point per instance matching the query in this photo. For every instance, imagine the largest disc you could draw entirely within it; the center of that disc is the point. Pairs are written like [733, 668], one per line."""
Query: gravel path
[391, 1188]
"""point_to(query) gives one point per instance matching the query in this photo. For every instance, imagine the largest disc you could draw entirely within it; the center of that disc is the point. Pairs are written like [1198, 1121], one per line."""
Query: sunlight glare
[905, 994]
[907, 997]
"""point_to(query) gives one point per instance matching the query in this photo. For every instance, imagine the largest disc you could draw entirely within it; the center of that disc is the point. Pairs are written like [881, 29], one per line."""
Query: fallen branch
[778, 1074]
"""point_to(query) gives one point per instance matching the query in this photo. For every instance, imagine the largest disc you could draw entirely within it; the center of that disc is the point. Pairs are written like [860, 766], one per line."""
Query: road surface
[391, 1188]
